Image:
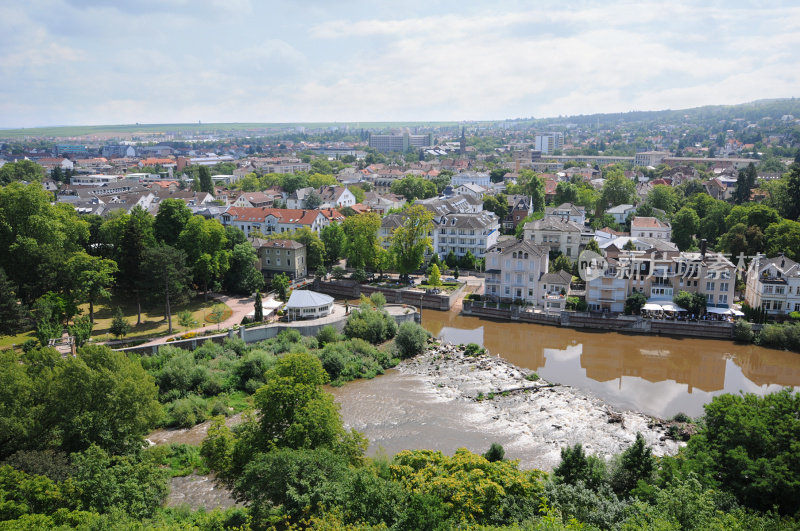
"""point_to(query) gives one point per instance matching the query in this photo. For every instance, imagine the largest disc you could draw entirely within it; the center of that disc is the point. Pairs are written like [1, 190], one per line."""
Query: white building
[306, 304]
[559, 235]
[93, 180]
[620, 213]
[460, 233]
[647, 227]
[567, 212]
[470, 177]
[773, 284]
[513, 271]
[547, 143]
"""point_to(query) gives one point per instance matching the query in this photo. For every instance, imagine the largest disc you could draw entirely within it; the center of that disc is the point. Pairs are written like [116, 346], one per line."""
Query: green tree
[664, 197]
[565, 193]
[411, 339]
[617, 190]
[172, 217]
[593, 246]
[138, 236]
[243, 276]
[576, 466]
[12, 311]
[333, 238]
[280, 284]
[435, 276]
[361, 234]
[204, 181]
[793, 193]
[694, 303]
[119, 325]
[259, 308]
[92, 278]
[313, 200]
[532, 185]
[561, 263]
[497, 204]
[748, 447]
[495, 453]
[634, 303]
[685, 225]
[413, 188]
[315, 248]
[81, 330]
[745, 182]
[205, 244]
[496, 174]
[751, 215]
[467, 261]
[22, 170]
[411, 240]
[166, 275]
[636, 463]
[783, 237]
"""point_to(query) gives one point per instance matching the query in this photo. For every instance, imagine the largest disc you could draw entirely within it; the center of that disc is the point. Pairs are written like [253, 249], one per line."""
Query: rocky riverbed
[541, 417]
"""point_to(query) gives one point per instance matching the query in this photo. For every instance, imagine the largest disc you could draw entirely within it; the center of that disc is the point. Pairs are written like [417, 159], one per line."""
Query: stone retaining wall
[353, 290]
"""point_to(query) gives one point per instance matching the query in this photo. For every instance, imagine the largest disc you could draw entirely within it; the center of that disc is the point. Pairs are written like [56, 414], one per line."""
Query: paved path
[240, 306]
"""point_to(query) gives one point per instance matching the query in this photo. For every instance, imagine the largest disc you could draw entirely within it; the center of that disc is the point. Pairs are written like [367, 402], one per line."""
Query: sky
[92, 62]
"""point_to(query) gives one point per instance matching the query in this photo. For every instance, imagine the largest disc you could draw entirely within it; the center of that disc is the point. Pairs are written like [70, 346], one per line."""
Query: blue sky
[163, 61]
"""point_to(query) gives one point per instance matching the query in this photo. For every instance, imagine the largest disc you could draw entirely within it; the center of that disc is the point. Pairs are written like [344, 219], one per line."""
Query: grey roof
[480, 220]
[392, 221]
[277, 243]
[560, 277]
[505, 247]
[553, 223]
[619, 209]
[308, 299]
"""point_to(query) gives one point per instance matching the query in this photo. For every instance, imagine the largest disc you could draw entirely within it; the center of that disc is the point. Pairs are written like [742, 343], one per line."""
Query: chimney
[703, 245]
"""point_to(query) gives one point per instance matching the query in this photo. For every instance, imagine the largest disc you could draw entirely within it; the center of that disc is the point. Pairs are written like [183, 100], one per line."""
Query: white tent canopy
[650, 307]
[670, 307]
[726, 311]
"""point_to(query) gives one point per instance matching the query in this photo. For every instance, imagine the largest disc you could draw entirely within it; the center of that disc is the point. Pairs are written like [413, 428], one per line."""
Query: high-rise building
[547, 143]
[399, 142]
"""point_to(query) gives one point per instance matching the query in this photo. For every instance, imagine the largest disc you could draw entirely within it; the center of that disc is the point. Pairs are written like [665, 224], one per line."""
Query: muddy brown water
[660, 376]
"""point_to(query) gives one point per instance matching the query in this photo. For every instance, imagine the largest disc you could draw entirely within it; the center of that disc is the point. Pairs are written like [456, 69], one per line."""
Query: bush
[495, 453]
[186, 412]
[338, 272]
[742, 331]
[411, 339]
[375, 326]
[473, 349]
[328, 334]
[378, 299]
[359, 275]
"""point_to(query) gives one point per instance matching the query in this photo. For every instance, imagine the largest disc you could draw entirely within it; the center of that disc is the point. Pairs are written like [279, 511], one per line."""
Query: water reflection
[657, 375]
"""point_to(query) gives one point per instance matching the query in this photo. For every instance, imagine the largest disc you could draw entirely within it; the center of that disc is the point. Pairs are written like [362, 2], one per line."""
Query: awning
[652, 307]
[737, 313]
[719, 310]
[669, 307]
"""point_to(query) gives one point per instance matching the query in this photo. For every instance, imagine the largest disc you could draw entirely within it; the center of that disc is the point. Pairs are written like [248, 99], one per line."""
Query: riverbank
[541, 417]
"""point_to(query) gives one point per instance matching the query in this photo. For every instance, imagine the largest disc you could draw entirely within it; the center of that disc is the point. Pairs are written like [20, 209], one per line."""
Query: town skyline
[86, 63]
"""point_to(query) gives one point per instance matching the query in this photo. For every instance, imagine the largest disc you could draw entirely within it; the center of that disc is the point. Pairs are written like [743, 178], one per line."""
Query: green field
[134, 129]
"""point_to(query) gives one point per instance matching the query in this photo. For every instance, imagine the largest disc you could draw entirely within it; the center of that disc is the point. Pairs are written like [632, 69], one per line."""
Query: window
[508, 290]
[278, 261]
[709, 286]
[723, 286]
[722, 299]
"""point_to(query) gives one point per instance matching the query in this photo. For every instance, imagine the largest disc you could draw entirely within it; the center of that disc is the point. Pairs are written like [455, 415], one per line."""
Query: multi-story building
[399, 142]
[647, 227]
[620, 213]
[559, 235]
[547, 143]
[278, 220]
[461, 233]
[773, 284]
[659, 276]
[281, 256]
[567, 212]
[470, 177]
[513, 271]
[649, 158]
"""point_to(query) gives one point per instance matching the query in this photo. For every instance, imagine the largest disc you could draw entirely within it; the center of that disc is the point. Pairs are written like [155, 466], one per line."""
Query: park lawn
[153, 321]
[446, 286]
[19, 339]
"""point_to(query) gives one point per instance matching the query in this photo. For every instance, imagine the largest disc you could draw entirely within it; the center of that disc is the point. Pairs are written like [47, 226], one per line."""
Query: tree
[634, 303]
[92, 278]
[313, 200]
[410, 241]
[561, 263]
[411, 339]
[532, 185]
[663, 197]
[496, 174]
[172, 217]
[22, 170]
[280, 284]
[205, 244]
[451, 260]
[565, 193]
[204, 181]
[685, 225]
[137, 237]
[636, 463]
[783, 237]
[497, 204]
[456, 272]
[243, 276]
[617, 190]
[495, 453]
[315, 248]
[166, 275]
[748, 447]
[745, 182]
[259, 308]
[99, 397]
[593, 246]
[576, 466]
[435, 277]
[413, 188]
[119, 325]
[370, 324]
[793, 192]
[81, 330]
[694, 303]
[12, 311]
[361, 245]
[467, 262]
[333, 237]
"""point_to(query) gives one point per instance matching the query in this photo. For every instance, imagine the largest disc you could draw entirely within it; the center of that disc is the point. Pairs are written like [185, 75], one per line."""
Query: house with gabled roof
[773, 284]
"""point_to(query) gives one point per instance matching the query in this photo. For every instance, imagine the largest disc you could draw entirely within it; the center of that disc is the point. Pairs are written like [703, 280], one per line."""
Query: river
[659, 376]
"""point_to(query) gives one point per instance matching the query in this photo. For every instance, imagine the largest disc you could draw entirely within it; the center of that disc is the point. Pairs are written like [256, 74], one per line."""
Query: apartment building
[773, 284]
[277, 220]
[547, 143]
[281, 256]
[514, 269]
[460, 233]
[558, 235]
[647, 227]
[567, 212]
